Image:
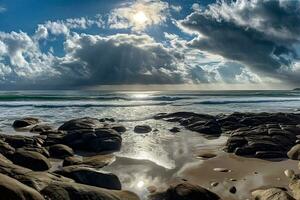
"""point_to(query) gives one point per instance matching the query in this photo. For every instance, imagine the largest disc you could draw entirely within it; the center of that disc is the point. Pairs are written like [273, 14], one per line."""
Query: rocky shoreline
[27, 173]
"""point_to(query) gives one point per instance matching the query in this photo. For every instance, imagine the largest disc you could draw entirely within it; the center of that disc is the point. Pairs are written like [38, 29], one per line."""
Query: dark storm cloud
[119, 59]
[260, 34]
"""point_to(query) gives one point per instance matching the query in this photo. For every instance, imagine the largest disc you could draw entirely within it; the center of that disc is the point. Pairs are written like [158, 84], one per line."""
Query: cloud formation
[260, 34]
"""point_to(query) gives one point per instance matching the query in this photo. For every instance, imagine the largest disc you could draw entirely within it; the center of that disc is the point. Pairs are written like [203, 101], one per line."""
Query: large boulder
[271, 194]
[294, 152]
[185, 191]
[11, 189]
[40, 180]
[92, 177]
[19, 141]
[99, 140]
[31, 159]
[97, 161]
[75, 191]
[25, 122]
[81, 123]
[60, 151]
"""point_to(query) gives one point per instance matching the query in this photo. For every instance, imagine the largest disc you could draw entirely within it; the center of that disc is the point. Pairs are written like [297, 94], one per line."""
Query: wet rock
[60, 151]
[206, 155]
[54, 138]
[11, 189]
[294, 152]
[289, 173]
[92, 177]
[142, 129]
[40, 150]
[98, 161]
[68, 191]
[30, 159]
[222, 170]
[18, 141]
[271, 194]
[5, 148]
[214, 184]
[81, 123]
[232, 190]
[210, 127]
[118, 127]
[40, 128]
[175, 130]
[25, 122]
[99, 140]
[40, 180]
[72, 160]
[269, 154]
[185, 191]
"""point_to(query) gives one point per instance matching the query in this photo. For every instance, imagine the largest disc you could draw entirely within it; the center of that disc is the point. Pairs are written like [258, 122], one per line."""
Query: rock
[25, 122]
[214, 184]
[185, 191]
[97, 161]
[40, 180]
[271, 194]
[175, 130]
[207, 155]
[92, 177]
[10, 169]
[118, 127]
[30, 159]
[40, 128]
[98, 141]
[11, 189]
[40, 150]
[75, 191]
[294, 152]
[81, 123]
[60, 151]
[289, 173]
[270, 154]
[222, 170]
[72, 160]
[232, 190]
[54, 138]
[5, 148]
[142, 129]
[210, 127]
[18, 141]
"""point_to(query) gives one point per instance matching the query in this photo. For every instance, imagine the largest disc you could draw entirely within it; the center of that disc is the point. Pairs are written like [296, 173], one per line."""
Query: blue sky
[62, 44]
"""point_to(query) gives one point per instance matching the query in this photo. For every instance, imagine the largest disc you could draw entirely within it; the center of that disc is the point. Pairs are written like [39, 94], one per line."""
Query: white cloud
[176, 8]
[155, 12]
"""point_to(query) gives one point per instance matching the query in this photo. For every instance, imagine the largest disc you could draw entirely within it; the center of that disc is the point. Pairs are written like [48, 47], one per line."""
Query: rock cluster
[261, 135]
[25, 164]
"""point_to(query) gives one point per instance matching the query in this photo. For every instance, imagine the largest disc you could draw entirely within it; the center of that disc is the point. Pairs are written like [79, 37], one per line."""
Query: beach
[192, 140]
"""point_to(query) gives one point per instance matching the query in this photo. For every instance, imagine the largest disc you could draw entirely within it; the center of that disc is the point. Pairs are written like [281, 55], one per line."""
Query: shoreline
[228, 175]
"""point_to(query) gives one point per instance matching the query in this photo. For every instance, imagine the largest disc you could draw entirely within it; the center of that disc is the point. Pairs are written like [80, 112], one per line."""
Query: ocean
[156, 158]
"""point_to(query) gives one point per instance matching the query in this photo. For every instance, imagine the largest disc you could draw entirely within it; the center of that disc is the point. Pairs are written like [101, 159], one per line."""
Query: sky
[223, 44]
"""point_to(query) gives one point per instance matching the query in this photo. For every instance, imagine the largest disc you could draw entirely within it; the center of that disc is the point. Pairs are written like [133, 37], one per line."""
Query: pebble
[214, 184]
[232, 190]
[222, 170]
[289, 173]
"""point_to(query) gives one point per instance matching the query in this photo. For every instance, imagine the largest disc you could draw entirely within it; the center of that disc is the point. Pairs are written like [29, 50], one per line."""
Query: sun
[140, 17]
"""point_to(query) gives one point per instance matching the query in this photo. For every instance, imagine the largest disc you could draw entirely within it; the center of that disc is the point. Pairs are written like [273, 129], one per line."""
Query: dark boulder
[185, 191]
[98, 140]
[142, 129]
[30, 159]
[25, 122]
[11, 189]
[92, 177]
[81, 123]
[60, 151]
[75, 191]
